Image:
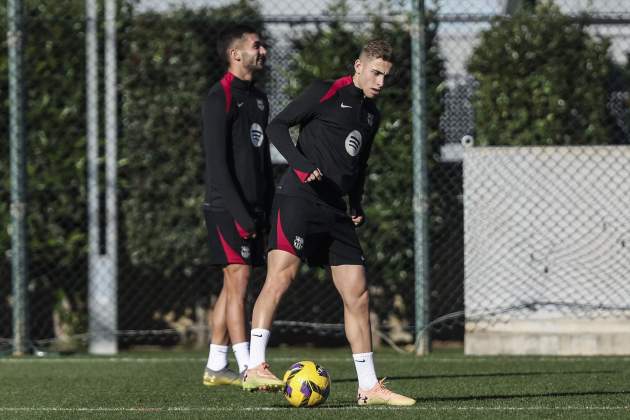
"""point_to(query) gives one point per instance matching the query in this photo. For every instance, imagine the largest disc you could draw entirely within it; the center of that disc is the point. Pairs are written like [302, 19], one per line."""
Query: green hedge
[543, 79]
[168, 64]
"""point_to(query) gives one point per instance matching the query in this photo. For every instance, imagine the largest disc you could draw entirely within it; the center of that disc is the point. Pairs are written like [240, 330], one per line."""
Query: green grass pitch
[447, 384]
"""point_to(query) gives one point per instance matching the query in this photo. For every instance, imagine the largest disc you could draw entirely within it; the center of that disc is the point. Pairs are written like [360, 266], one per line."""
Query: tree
[542, 80]
[167, 61]
[54, 76]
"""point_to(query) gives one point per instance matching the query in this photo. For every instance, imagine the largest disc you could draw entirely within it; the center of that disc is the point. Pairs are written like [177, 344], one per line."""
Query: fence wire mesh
[503, 72]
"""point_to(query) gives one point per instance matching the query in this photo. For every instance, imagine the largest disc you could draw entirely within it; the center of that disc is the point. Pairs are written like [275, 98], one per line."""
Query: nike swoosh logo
[360, 361]
[345, 106]
[256, 335]
[240, 104]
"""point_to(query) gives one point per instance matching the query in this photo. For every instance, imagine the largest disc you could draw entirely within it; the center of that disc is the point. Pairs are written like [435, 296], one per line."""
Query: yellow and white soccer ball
[306, 384]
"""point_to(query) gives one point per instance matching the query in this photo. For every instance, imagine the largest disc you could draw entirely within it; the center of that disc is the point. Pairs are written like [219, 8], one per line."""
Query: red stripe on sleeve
[301, 175]
[226, 83]
[338, 84]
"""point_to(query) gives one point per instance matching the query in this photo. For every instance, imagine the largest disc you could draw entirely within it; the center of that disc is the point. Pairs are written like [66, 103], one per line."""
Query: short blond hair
[377, 48]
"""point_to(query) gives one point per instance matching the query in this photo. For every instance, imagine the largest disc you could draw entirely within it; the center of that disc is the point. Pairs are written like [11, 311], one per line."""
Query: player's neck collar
[239, 83]
[355, 91]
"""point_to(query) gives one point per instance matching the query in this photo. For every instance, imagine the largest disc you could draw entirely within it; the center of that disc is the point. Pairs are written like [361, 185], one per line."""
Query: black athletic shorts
[227, 246]
[319, 234]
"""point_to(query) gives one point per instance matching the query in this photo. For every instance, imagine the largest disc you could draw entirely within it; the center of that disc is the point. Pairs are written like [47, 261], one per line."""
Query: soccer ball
[306, 384]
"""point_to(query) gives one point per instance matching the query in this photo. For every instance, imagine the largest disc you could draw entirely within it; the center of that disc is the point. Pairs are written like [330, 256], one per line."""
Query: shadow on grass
[487, 375]
[513, 396]
[481, 398]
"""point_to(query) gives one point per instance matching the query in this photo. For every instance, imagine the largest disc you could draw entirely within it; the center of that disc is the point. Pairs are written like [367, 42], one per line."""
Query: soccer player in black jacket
[239, 191]
[338, 121]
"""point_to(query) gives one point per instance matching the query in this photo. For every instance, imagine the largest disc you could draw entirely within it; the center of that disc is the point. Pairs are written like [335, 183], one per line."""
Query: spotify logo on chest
[256, 134]
[353, 143]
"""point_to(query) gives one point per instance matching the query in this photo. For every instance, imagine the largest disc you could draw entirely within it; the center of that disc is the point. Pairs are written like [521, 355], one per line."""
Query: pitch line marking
[253, 409]
[81, 359]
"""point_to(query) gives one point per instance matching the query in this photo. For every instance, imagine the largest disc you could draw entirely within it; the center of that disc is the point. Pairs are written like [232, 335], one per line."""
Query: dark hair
[228, 36]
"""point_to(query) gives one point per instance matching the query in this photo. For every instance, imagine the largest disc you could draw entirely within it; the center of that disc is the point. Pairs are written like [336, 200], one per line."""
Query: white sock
[257, 347]
[364, 363]
[241, 352]
[217, 359]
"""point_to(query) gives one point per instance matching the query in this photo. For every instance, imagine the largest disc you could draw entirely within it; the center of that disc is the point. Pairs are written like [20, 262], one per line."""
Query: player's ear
[235, 54]
[358, 66]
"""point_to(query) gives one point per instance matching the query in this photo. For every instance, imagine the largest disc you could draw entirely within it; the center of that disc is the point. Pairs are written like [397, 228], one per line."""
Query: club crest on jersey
[353, 143]
[261, 104]
[256, 134]
[370, 119]
[245, 252]
[298, 242]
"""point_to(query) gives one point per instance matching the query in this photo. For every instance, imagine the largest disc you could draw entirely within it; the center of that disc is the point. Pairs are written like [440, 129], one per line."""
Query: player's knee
[236, 272]
[358, 302]
[235, 279]
[278, 281]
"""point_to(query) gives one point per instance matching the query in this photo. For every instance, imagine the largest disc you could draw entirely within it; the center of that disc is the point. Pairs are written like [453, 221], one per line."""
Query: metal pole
[111, 152]
[420, 196]
[94, 229]
[102, 266]
[18, 180]
[92, 161]
[92, 135]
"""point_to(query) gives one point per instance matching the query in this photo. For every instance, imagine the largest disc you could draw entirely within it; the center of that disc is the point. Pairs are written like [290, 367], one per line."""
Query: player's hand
[357, 215]
[358, 220]
[315, 176]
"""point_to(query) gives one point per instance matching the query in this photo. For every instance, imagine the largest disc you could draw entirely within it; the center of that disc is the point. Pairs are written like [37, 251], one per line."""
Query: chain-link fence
[499, 71]
[525, 255]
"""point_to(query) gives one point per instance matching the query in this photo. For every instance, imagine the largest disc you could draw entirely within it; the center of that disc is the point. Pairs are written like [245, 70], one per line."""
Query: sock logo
[257, 335]
[360, 361]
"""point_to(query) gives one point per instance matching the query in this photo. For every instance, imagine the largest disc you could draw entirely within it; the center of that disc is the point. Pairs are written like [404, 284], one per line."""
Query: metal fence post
[101, 285]
[111, 153]
[420, 200]
[18, 180]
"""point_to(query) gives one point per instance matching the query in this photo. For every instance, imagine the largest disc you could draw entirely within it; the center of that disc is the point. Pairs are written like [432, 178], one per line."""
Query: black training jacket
[238, 175]
[337, 127]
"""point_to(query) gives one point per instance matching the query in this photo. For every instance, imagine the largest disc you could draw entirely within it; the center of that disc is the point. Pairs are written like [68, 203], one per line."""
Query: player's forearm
[222, 180]
[355, 198]
[233, 202]
[278, 133]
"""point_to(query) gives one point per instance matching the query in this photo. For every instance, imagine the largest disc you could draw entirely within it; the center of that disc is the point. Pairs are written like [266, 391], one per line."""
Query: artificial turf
[446, 384]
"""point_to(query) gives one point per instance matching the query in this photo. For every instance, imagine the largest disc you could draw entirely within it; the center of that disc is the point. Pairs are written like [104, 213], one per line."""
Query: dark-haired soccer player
[239, 191]
[338, 121]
